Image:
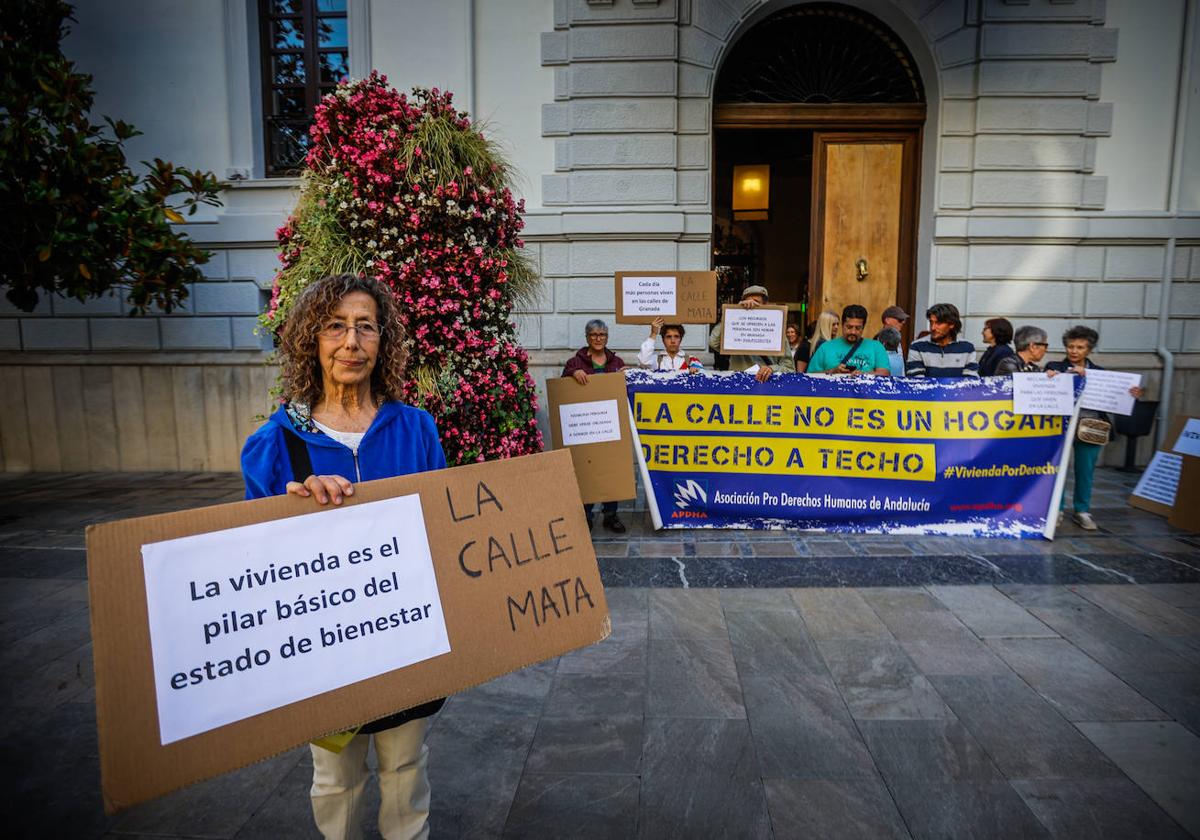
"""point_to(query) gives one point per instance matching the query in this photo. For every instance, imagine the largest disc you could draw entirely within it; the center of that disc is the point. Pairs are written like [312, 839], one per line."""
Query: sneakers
[613, 523]
[1084, 520]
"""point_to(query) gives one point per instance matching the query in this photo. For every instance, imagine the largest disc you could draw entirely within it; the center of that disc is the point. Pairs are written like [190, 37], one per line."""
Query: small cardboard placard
[592, 421]
[509, 579]
[678, 297]
[1162, 477]
[754, 332]
[1037, 393]
[1108, 390]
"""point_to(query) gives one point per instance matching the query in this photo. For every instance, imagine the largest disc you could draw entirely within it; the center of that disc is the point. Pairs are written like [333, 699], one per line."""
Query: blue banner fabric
[863, 454]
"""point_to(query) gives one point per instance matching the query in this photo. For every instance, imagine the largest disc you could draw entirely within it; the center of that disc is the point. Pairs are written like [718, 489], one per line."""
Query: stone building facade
[1059, 183]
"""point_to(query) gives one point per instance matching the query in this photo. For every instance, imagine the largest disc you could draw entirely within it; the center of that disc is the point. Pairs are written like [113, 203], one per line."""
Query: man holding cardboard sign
[759, 363]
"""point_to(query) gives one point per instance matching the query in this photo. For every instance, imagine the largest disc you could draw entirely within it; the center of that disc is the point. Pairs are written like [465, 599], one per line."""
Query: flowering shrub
[410, 191]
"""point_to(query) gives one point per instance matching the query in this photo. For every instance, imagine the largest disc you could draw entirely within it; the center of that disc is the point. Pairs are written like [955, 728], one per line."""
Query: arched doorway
[830, 100]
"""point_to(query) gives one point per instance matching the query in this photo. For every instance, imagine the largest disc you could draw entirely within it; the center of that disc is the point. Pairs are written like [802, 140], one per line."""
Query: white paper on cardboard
[1189, 439]
[1161, 478]
[1037, 393]
[1108, 390]
[589, 422]
[648, 296]
[249, 619]
[753, 330]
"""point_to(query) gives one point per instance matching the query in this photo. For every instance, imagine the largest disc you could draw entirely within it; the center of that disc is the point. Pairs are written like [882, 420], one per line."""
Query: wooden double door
[862, 237]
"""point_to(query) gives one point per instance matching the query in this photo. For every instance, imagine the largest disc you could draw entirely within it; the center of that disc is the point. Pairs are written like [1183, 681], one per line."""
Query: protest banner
[867, 454]
[592, 421]
[1108, 390]
[229, 634]
[679, 297]
[757, 332]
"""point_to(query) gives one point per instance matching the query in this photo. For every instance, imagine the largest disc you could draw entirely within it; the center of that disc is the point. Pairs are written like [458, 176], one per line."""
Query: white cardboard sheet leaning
[649, 296]
[1108, 390]
[1037, 393]
[249, 619]
[1189, 439]
[753, 330]
[589, 422]
[1161, 479]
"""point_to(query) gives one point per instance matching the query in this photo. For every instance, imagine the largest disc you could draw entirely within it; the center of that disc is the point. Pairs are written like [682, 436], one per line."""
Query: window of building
[305, 53]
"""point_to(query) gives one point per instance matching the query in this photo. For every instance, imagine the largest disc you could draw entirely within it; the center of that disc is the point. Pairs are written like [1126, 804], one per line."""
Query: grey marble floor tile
[1176, 694]
[686, 614]
[1182, 595]
[838, 809]
[879, 682]
[565, 805]
[693, 678]
[632, 599]
[609, 744]
[1185, 647]
[802, 729]
[1103, 809]
[522, 692]
[963, 655]
[1141, 610]
[612, 656]
[1024, 735]
[215, 808]
[700, 779]
[988, 612]
[965, 810]
[1110, 641]
[595, 695]
[912, 613]
[1073, 682]
[1161, 758]
[833, 614]
[926, 750]
[770, 641]
[1029, 595]
[287, 810]
[756, 599]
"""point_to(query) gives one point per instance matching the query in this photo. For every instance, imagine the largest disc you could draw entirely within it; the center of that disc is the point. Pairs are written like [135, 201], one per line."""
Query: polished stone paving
[755, 685]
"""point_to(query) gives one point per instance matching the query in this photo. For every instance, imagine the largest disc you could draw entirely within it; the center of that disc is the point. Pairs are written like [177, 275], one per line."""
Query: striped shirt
[925, 358]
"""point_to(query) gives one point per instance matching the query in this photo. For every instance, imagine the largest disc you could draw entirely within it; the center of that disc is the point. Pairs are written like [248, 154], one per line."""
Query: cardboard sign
[1163, 475]
[584, 413]
[754, 332]
[515, 583]
[1037, 393]
[1108, 390]
[1187, 442]
[679, 297]
[1187, 496]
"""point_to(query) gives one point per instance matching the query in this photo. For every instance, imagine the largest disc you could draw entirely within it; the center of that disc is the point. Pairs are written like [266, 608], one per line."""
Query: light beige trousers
[339, 780]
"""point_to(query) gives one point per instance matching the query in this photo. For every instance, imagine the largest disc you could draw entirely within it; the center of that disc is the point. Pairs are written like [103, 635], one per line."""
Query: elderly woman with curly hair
[342, 422]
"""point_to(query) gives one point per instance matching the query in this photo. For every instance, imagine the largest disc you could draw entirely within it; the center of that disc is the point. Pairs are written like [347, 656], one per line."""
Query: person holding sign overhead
[672, 360]
[850, 353]
[760, 366]
[593, 358]
[343, 421]
[1094, 427]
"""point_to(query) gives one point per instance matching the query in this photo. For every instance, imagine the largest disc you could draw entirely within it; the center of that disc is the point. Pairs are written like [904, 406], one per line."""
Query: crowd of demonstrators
[889, 337]
[942, 355]
[673, 359]
[823, 330]
[850, 353]
[1095, 425]
[344, 420]
[761, 366]
[595, 357]
[997, 335]
[1031, 343]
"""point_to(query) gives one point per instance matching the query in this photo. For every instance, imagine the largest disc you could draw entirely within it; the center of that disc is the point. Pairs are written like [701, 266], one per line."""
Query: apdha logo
[688, 496]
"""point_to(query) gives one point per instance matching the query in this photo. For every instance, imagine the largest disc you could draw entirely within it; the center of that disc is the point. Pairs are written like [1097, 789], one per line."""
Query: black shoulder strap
[297, 449]
[849, 353]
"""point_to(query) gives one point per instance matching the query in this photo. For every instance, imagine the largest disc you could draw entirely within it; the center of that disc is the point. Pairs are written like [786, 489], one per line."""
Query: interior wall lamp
[751, 192]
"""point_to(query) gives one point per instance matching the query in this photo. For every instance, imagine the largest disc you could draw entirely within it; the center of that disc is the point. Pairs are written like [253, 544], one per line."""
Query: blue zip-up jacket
[400, 441]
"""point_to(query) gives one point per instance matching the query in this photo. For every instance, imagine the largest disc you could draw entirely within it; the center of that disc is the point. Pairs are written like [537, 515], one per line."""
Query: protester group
[838, 346]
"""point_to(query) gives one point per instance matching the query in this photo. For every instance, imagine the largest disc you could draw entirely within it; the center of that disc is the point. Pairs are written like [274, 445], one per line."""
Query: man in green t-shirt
[850, 352]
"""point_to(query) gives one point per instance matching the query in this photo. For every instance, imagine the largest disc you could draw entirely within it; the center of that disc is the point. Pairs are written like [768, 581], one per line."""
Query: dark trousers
[609, 509]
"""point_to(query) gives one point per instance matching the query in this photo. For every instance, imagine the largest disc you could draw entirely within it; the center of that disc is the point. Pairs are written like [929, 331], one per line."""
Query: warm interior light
[751, 191]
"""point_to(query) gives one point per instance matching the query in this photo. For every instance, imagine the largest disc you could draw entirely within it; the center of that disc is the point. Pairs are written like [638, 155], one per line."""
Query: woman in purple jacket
[595, 357]
[342, 422]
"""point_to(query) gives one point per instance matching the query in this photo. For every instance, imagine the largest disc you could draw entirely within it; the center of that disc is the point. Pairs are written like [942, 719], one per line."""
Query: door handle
[860, 269]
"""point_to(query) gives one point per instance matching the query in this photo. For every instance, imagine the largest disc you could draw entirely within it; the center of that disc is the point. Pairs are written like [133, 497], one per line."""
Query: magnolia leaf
[44, 254]
[83, 269]
[173, 216]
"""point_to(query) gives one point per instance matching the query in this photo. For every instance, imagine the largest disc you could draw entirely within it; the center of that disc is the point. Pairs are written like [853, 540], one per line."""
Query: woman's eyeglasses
[365, 330]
